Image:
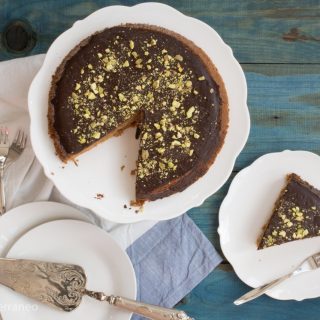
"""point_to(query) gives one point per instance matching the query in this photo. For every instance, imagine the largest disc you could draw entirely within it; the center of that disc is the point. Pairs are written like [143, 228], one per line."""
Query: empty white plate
[248, 207]
[19, 220]
[107, 266]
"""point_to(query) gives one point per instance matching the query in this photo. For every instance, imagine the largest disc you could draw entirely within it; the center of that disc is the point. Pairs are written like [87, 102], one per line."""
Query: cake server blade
[63, 286]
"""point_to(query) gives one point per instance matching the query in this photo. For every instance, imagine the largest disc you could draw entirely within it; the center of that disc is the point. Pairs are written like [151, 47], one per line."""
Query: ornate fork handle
[143, 309]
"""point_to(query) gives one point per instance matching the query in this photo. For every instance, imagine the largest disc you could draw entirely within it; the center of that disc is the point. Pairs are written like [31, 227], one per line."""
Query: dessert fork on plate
[309, 264]
[4, 148]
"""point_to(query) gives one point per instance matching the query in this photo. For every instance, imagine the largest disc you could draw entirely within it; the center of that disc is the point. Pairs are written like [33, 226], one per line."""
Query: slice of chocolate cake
[150, 77]
[296, 214]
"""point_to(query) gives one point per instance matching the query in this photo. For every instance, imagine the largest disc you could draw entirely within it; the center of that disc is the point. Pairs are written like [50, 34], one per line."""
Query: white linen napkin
[24, 179]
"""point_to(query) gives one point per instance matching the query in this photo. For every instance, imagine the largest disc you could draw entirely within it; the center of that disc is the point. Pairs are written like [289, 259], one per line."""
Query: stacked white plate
[55, 232]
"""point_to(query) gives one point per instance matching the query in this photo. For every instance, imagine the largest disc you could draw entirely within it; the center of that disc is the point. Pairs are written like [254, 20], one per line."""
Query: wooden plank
[284, 103]
[258, 31]
[213, 299]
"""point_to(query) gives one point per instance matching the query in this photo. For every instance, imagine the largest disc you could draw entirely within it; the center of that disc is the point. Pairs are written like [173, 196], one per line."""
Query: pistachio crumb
[190, 112]
[91, 96]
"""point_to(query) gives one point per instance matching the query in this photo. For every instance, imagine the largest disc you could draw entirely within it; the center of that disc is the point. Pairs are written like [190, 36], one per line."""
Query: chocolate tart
[151, 78]
[296, 214]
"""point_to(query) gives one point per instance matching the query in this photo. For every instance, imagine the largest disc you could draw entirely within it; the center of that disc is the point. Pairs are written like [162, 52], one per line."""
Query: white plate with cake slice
[101, 179]
[245, 212]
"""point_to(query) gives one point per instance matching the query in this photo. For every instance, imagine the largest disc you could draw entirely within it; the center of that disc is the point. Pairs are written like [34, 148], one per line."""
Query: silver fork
[16, 148]
[4, 148]
[311, 263]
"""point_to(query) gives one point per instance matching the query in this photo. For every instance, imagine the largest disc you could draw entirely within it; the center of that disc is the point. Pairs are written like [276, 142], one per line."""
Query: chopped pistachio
[162, 166]
[95, 135]
[93, 86]
[196, 136]
[145, 154]
[201, 78]
[121, 97]
[131, 44]
[161, 150]
[156, 84]
[175, 143]
[282, 233]
[78, 86]
[99, 55]
[190, 112]
[100, 78]
[135, 55]
[170, 164]
[157, 125]
[178, 57]
[153, 42]
[289, 224]
[135, 98]
[91, 96]
[176, 104]
[172, 86]
[90, 66]
[82, 140]
[126, 64]
[189, 84]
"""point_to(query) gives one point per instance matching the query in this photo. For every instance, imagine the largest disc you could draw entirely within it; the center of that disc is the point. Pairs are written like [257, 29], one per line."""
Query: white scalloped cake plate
[107, 266]
[248, 207]
[98, 171]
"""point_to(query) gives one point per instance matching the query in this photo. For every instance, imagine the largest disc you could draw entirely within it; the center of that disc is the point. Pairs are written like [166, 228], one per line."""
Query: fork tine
[24, 142]
[21, 139]
[6, 137]
[1, 134]
[17, 137]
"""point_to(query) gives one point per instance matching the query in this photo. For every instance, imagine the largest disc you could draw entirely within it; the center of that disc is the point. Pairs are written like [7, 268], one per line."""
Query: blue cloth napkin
[170, 259]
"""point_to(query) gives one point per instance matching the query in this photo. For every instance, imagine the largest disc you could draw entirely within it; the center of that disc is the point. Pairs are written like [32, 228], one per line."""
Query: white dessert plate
[248, 207]
[107, 267]
[97, 182]
[16, 222]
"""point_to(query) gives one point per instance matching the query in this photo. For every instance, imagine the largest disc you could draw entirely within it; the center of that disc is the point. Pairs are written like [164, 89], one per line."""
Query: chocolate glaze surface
[152, 77]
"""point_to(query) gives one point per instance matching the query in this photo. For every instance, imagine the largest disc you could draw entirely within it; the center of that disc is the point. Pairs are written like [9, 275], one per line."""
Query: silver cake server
[63, 286]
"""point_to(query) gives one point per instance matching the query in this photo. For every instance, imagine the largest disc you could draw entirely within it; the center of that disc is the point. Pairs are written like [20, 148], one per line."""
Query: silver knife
[63, 286]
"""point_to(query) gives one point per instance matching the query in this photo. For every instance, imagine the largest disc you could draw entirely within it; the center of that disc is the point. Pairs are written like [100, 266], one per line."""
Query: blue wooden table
[278, 45]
